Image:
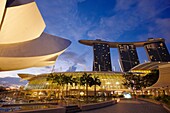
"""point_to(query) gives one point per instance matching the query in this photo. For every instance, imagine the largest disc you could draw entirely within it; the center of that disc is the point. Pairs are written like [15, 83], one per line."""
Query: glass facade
[109, 81]
[102, 60]
[157, 51]
[128, 56]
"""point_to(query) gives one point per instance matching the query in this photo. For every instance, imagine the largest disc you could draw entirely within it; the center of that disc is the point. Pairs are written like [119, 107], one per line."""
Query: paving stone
[131, 106]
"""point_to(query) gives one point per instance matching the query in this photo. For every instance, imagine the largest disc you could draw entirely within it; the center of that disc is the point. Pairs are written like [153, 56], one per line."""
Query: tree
[58, 79]
[151, 78]
[76, 81]
[85, 79]
[51, 78]
[133, 81]
[68, 80]
[2, 89]
[95, 81]
[138, 82]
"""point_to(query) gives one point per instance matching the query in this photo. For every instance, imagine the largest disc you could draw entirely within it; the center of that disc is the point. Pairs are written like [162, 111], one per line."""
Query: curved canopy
[148, 66]
[15, 63]
[164, 78]
[26, 76]
[21, 23]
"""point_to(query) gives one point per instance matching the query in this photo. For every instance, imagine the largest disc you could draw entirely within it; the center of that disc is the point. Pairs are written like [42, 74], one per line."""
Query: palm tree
[85, 79]
[68, 80]
[95, 81]
[51, 78]
[76, 82]
[60, 80]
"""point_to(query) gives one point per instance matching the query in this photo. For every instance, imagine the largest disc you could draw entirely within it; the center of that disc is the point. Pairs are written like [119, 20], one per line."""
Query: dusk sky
[109, 20]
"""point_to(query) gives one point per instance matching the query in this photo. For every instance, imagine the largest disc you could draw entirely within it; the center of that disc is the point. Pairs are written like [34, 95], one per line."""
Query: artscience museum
[23, 43]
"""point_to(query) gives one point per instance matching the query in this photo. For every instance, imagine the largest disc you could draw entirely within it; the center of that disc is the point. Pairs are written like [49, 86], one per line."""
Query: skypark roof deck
[115, 44]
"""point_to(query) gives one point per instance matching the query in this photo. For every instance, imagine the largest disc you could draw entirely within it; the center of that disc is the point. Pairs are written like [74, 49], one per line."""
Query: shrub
[164, 99]
[158, 98]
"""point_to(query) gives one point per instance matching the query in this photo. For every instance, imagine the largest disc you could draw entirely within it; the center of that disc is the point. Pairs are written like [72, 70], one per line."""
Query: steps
[72, 109]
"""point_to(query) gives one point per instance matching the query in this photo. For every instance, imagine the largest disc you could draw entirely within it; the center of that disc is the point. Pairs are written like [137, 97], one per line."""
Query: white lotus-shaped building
[23, 43]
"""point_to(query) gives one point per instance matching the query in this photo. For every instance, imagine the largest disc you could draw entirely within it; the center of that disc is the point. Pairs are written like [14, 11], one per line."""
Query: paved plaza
[131, 106]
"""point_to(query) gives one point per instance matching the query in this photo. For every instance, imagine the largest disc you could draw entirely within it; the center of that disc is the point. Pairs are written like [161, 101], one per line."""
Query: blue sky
[110, 20]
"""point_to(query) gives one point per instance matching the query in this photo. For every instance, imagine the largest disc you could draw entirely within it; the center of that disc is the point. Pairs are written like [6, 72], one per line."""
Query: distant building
[111, 83]
[102, 60]
[128, 56]
[157, 50]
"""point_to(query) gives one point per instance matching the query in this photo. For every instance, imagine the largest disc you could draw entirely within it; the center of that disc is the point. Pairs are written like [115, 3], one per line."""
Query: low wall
[52, 107]
[97, 105]
[49, 110]
[29, 104]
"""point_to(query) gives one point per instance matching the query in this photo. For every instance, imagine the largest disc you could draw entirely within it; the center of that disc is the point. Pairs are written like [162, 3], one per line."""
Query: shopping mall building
[111, 83]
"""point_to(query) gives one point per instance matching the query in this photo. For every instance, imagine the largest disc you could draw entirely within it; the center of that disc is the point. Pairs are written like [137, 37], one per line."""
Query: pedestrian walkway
[131, 106]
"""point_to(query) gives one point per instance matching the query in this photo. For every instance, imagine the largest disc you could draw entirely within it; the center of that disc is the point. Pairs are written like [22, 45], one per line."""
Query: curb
[155, 102]
[168, 109]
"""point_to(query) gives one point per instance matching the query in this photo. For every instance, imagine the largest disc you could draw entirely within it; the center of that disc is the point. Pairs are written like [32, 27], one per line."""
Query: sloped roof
[26, 76]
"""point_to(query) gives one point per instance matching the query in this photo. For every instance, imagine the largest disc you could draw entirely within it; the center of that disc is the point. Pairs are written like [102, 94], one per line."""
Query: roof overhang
[164, 78]
[149, 66]
[115, 44]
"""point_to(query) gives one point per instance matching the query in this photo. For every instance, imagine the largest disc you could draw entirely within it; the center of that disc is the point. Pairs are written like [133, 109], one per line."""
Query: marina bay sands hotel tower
[156, 51]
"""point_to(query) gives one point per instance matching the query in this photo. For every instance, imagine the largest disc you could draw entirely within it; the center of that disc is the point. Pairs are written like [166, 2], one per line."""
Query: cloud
[124, 4]
[127, 17]
[73, 61]
[162, 27]
[74, 57]
[81, 0]
[62, 19]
